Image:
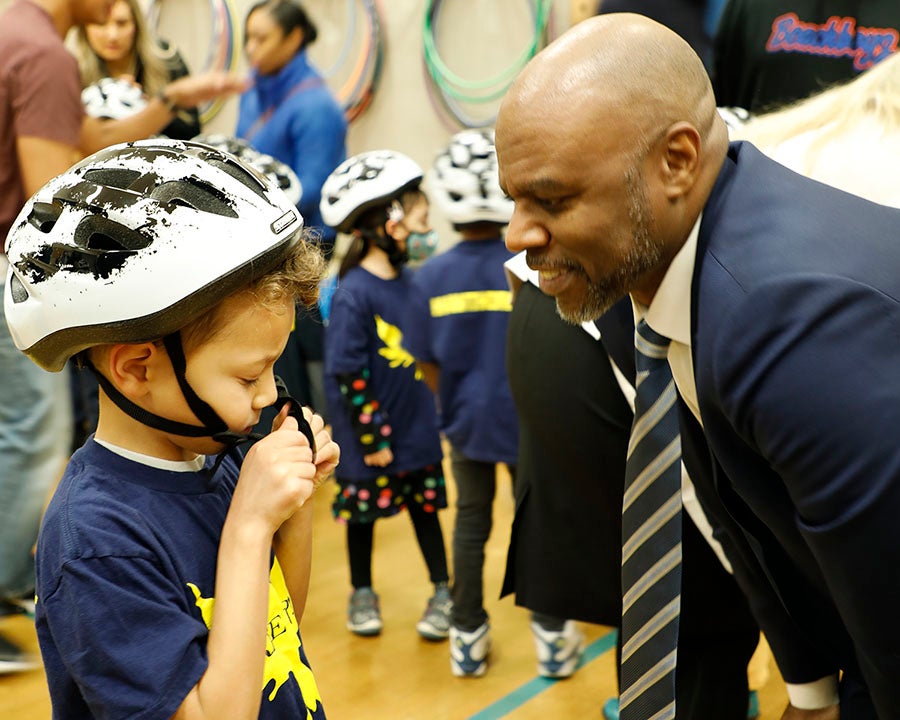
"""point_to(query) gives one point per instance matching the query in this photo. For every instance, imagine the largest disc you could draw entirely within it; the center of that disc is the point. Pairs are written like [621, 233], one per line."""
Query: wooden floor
[399, 676]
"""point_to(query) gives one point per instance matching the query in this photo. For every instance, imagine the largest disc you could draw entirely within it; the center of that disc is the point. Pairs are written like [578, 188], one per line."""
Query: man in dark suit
[780, 297]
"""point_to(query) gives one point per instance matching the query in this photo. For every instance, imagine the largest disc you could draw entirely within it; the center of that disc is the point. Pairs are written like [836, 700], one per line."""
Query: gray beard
[645, 254]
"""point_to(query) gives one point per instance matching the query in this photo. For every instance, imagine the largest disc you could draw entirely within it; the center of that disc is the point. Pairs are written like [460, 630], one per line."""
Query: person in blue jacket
[290, 114]
[382, 411]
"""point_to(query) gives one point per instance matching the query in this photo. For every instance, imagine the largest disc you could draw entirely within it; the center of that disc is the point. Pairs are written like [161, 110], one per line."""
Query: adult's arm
[41, 159]
[185, 92]
[815, 396]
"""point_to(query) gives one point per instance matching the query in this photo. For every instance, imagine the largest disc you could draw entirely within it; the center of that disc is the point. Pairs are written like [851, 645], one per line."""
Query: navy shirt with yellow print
[457, 318]
[365, 333]
[126, 570]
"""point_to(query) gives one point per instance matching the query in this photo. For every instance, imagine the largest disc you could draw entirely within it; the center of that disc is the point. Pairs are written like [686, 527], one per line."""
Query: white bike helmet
[135, 241]
[280, 173]
[464, 180]
[113, 99]
[365, 181]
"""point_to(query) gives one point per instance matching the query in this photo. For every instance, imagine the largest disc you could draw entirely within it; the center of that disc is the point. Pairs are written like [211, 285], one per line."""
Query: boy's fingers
[288, 423]
[279, 418]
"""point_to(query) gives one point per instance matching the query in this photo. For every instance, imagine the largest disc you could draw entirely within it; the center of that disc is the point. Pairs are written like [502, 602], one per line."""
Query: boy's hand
[328, 453]
[277, 477]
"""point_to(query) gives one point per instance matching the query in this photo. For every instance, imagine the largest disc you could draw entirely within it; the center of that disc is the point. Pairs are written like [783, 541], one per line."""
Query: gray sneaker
[435, 621]
[363, 613]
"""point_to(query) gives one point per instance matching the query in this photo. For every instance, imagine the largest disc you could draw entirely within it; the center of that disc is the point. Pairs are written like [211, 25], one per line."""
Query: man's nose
[523, 233]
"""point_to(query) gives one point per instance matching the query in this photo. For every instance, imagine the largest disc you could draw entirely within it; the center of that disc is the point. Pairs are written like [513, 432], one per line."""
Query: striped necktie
[651, 538]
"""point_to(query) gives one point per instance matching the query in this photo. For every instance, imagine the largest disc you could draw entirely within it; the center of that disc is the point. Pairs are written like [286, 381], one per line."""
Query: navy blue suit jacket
[796, 351]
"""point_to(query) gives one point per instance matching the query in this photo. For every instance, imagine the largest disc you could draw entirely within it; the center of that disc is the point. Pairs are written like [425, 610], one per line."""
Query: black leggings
[360, 543]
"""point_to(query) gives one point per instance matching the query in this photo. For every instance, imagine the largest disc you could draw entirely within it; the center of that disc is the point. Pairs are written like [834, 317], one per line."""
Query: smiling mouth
[552, 274]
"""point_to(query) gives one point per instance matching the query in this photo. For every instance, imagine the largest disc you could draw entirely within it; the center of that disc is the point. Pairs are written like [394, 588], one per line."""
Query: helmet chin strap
[213, 426]
[396, 257]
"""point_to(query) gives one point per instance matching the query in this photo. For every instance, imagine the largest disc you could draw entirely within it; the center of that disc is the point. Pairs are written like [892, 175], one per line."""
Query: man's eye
[550, 203]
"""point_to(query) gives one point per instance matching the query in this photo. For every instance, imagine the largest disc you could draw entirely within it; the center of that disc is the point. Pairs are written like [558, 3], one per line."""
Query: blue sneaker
[558, 651]
[469, 651]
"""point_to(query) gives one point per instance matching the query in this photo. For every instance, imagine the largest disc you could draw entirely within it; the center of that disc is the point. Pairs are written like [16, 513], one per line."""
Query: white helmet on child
[464, 180]
[280, 173]
[113, 99]
[135, 241]
[365, 181]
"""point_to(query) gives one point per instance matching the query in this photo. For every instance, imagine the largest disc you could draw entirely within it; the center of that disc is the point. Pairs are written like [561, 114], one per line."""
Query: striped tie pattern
[651, 537]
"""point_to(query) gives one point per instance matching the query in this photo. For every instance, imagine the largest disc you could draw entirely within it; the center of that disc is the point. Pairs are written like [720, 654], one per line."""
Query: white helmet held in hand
[280, 173]
[464, 180]
[135, 241]
[113, 99]
[365, 181]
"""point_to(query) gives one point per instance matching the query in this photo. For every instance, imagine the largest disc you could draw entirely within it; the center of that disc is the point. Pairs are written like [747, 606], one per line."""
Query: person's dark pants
[475, 487]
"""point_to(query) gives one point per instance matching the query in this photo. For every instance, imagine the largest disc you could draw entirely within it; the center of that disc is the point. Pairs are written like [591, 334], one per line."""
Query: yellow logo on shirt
[282, 641]
[471, 302]
[393, 350]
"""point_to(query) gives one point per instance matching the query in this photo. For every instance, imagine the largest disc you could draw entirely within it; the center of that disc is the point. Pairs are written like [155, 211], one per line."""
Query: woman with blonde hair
[125, 47]
[847, 136]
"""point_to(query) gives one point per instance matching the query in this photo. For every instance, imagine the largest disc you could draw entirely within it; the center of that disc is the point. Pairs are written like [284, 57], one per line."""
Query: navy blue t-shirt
[457, 319]
[126, 570]
[365, 332]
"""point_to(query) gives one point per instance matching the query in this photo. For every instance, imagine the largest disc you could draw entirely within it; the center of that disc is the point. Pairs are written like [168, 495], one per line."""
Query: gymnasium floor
[399, 676]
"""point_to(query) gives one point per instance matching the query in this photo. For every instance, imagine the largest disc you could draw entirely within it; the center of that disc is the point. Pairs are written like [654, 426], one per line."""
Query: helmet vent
[44, 215]
[121, 178]
[99, 233]
[17, 290]
[195, 194]
[241, 175]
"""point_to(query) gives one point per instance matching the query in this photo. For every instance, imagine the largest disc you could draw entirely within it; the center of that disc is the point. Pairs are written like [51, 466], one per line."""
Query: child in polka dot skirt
[383, 415]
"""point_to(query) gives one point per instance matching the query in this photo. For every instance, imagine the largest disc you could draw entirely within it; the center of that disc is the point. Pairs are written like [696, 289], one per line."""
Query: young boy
[171, 270]
[456, 329]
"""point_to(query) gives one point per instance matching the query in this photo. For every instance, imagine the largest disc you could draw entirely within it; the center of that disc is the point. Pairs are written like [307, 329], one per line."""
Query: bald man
[780, 297]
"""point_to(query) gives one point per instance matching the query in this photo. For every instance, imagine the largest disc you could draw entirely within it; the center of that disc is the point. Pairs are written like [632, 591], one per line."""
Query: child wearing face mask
[381, 410]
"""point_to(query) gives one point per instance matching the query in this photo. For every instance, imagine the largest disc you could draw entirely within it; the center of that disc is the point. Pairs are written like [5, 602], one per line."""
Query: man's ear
[680, 160]
[131, 367]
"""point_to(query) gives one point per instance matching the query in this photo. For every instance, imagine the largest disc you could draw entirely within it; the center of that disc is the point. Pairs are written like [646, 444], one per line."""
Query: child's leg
[431, 542]
[363, 611]
[475, 488]
[359, 550]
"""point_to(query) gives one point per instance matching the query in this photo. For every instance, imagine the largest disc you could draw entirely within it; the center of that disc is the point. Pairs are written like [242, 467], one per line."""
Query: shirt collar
[670, 312]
